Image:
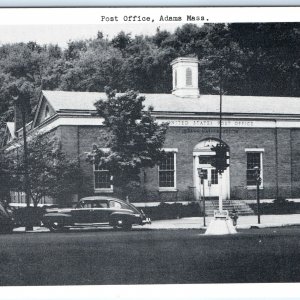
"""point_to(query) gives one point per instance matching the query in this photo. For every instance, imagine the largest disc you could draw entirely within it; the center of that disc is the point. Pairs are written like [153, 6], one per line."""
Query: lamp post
[202, 177]
[258, 182]
[21, 104]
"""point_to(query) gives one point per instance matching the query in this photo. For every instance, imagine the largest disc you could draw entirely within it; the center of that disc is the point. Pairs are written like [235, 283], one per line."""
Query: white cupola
[185, 77]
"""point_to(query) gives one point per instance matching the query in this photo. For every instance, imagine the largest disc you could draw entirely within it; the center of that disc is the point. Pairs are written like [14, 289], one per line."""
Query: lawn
[150, 256]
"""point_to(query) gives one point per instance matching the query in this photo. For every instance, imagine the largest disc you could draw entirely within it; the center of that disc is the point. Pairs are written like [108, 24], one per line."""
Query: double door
[209, 185]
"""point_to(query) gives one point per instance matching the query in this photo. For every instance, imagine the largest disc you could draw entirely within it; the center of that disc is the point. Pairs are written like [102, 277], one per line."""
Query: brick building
[260, 131]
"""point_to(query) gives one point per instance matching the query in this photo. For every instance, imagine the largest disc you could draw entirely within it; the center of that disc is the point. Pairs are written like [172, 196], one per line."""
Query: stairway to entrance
[240, 206]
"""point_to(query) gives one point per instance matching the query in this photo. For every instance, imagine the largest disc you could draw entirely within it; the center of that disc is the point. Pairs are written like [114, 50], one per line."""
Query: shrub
[172, 211]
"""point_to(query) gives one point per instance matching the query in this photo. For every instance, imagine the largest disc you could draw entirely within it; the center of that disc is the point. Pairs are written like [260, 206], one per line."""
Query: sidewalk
[244, 222]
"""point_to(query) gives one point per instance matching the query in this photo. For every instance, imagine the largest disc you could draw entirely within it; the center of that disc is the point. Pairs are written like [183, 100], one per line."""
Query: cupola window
[188, 77]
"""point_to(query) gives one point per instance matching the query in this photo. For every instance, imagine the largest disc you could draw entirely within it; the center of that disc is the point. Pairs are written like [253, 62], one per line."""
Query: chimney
[185, 77]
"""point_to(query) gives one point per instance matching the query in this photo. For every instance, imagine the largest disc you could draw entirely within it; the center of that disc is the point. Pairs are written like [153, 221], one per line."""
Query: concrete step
[240, 206]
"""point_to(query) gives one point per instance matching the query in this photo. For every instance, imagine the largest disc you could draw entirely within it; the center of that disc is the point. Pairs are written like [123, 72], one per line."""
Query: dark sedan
[6, 219]
[97, 211]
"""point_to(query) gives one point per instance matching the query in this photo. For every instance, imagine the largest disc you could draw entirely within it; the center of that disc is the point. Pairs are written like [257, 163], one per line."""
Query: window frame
[101, 190]
[174, 187]
[260, 151]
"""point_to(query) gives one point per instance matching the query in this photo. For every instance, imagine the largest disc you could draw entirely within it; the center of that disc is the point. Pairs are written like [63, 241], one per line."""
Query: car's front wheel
[120, 223]
[56, 227]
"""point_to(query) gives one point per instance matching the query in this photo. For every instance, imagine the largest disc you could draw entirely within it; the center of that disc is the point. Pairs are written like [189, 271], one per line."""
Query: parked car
[6, 219]
[95, 210]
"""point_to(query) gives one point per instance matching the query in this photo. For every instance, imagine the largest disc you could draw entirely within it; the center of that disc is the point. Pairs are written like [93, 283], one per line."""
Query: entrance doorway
[210, 186]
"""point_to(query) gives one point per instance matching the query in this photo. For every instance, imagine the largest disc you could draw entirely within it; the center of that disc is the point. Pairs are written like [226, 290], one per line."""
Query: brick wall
[295, 161]
[79, 140]
[185, 139]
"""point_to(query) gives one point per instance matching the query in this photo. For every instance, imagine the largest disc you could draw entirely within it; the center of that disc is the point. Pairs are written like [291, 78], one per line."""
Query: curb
[199, 227]
[267, 225]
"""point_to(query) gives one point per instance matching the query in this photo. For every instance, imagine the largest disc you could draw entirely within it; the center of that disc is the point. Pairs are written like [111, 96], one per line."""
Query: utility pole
[20, 103]
[25, 159]
[221, 92]
[220, 137]
[201, 178]
[258, 182]
[204, 221]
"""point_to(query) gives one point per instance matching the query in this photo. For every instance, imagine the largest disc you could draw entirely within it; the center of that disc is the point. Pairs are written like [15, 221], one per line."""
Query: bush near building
[166, 211]
[277, 207]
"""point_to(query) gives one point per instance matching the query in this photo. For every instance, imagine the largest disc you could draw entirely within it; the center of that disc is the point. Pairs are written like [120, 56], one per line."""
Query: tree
[5, 178]
[222, 64]
[273, 64]
[121, 41]
[93, 70]
[133, 138]
[51, 173]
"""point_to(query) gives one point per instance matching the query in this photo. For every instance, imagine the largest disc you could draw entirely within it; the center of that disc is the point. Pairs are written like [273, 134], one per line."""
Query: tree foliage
[257, 59]
[51, 173]
[134, 140]
[5, 178]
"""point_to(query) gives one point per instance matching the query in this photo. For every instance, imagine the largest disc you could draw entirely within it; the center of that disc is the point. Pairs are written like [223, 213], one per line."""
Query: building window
[254, 159]
[175, 79]
[167, 171]
[205, 159]
[188, 76]
[102, 179]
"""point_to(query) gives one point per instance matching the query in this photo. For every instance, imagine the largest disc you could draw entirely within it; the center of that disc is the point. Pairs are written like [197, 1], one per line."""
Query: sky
[60, 25]
[61, 34]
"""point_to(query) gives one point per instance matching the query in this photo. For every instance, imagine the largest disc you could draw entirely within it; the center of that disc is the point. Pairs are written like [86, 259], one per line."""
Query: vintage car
[95, 211]
[7, 223]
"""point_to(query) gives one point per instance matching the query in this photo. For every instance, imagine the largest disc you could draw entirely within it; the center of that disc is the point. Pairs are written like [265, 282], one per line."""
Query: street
[143, 256]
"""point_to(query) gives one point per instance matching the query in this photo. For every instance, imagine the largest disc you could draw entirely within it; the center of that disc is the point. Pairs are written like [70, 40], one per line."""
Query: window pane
[166, 178]
[168, 163]
[214, 176]
[253, 160]
[167, 171]
[100, 204]
[205, 159]
[102, 179]
[115, 204]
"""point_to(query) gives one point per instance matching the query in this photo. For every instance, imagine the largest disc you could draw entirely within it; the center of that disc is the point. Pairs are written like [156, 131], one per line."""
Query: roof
[11, 128]
[91, 198]
[84, 101]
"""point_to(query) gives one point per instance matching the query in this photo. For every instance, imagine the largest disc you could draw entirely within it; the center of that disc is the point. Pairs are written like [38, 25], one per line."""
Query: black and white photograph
[149, 146]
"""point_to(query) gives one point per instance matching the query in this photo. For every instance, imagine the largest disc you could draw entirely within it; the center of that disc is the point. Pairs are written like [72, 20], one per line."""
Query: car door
[82, 213]
[101, 211]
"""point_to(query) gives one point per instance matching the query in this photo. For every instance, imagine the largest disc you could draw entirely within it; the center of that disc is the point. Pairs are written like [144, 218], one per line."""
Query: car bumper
[146, 221]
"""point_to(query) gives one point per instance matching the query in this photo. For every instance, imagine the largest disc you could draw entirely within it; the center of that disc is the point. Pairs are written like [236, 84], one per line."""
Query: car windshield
[93, 204]
[120, 205]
